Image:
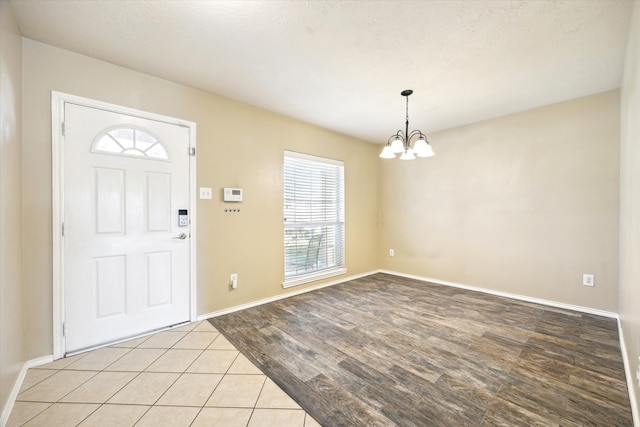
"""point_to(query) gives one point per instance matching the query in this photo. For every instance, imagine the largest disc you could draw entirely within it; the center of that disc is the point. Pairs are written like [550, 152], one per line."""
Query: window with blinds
[313, 218]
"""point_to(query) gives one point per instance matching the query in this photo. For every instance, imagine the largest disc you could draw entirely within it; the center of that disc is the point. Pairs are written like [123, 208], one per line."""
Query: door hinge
[63, 229]
[63, 129]
[192, 151]
[64, 329]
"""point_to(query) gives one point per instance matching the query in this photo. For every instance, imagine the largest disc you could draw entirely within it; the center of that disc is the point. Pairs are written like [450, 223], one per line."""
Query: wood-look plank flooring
[385, 350]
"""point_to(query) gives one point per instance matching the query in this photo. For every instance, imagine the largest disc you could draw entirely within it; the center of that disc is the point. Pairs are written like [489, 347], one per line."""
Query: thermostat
[233, 194]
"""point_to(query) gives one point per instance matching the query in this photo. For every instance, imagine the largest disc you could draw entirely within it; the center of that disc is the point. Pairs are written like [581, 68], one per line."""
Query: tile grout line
[177, 378]
[181, 374]
[200, 408]
[221, 379]
[253, 410]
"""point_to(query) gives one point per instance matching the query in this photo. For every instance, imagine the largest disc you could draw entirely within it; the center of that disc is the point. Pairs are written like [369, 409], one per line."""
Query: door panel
[125, 178]
[111, 285]
[110, 196]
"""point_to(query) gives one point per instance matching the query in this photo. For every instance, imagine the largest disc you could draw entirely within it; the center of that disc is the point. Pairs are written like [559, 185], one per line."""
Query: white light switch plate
[205, 193]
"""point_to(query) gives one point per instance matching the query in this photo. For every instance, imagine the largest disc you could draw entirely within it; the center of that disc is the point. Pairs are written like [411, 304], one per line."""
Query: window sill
[318, 275]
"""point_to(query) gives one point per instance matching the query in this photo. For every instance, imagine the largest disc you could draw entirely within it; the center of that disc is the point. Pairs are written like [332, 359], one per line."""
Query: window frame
[339, 252]
[125, 151]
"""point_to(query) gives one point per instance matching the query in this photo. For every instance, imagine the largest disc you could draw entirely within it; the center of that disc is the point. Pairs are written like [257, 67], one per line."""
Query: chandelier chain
[407, 115]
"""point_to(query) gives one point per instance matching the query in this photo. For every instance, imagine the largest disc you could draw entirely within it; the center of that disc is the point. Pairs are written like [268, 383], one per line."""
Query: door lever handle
[181, 236]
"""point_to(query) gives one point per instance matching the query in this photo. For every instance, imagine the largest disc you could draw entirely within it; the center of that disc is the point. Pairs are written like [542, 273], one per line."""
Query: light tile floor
[187, 376]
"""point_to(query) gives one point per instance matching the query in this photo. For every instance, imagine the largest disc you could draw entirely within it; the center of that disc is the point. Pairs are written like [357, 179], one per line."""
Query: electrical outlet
[233, 280]
[588, 280]
[391, 252]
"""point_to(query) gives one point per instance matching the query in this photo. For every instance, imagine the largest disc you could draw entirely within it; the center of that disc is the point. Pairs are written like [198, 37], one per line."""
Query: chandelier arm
[414, 133]
[398, 135]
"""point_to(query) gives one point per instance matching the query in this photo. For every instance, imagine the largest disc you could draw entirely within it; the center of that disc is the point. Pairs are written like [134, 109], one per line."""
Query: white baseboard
[629, 375]
[40, 361]
[6, 411]
[507, 295]
[422, 279]
[282, 296]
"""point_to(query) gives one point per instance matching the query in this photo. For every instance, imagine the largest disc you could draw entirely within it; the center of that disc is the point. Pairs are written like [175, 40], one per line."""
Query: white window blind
[313, 218]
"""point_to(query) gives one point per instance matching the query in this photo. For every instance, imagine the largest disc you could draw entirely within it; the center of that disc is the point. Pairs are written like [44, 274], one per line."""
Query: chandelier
[400, 142]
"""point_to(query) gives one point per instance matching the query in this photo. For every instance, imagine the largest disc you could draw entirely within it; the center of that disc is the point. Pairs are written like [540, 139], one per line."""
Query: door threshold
[110, 343]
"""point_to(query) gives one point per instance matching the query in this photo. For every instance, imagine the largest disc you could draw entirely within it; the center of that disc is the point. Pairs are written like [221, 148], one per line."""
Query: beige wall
[238, 146]
[12, 354]
[524, 204]
[629, 305]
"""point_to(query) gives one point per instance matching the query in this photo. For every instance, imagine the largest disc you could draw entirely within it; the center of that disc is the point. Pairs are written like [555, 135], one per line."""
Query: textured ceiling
[343, 64]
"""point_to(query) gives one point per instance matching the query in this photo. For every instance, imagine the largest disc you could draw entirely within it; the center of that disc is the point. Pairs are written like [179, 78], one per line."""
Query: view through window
[313, 218]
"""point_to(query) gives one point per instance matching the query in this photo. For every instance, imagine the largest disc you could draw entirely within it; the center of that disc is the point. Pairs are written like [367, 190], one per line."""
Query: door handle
[180, 236]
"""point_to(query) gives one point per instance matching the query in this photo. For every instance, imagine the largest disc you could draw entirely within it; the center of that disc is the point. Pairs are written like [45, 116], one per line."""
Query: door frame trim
[58, 99]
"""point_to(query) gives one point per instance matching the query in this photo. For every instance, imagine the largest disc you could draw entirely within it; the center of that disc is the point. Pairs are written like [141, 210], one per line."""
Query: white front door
[126, 247]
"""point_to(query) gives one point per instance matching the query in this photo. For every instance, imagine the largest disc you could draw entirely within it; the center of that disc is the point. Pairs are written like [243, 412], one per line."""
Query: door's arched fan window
[313, 218]
[127, 141]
